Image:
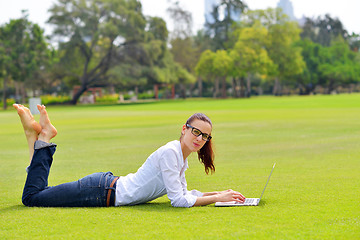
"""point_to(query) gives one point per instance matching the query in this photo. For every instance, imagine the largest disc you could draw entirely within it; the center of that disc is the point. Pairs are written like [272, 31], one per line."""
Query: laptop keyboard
[249, 200]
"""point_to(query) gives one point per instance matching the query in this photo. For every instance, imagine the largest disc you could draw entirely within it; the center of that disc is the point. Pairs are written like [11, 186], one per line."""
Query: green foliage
[328, 66]
[249, 52]
[53, 100]
[314, 140]
[280, 45]
[113, 98]
[323, 30]
[204, 67]
[146, 95]
[111, 43]
[185, 53]
[24, 53]
[97, 32]
[221, 29]
[9, 102]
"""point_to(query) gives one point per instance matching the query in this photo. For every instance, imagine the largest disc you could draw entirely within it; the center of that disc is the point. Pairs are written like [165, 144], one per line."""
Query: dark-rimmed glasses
[196, 132]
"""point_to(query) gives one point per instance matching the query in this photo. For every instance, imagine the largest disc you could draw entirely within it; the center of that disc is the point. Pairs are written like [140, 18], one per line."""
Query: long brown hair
[206, 154]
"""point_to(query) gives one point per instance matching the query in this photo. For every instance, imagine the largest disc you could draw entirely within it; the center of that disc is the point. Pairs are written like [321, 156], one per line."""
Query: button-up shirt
[162, 173]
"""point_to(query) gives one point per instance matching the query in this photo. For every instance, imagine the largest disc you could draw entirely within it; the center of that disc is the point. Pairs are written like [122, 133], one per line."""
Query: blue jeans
[90, 191]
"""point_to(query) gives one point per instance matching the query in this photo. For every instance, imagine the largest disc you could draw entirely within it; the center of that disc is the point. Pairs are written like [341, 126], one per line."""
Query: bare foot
[48, 130]
[31, 127]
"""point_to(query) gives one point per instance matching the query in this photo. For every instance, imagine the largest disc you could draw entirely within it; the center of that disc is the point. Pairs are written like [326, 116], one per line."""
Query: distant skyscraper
[287, 7]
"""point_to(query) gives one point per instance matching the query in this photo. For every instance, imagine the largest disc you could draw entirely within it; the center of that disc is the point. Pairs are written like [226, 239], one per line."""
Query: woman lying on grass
[162, 173]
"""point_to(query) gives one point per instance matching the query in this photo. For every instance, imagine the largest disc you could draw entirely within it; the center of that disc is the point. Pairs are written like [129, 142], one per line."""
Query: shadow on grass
[146, 207]
[262, 203]
[13, 208]
[154, 207]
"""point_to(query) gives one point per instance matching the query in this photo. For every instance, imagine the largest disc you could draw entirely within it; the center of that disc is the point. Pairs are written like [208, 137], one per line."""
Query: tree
[3, 74]
[354, 42]
[340, 66]
[220, 29]
[328, 66]
[182, 45]
[323, 30]
[249, 54]
[223, 65]
[93, 32]
[215, 66]
[313, 57]
[142, 63]
[204, 68]
[281, 46]
[25, 53]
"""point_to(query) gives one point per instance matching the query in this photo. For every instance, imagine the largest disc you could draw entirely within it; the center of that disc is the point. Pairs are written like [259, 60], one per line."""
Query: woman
[162, 173]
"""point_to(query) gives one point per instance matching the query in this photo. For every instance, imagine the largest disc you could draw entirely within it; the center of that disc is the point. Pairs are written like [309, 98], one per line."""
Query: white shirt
[162, 173]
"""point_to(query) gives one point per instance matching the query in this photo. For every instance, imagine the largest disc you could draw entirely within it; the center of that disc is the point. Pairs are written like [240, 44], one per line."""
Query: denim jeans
[90, 191]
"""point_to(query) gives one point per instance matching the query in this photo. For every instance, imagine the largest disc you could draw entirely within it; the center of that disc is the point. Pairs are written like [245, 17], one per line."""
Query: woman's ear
[183, 129]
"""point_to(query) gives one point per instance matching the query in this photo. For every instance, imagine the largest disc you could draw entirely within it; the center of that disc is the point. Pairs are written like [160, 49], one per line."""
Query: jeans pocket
[92, 181]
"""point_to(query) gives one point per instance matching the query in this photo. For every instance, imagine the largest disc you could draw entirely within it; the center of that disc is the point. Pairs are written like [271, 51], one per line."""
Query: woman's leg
[42, 151]
[48, 131]
[31, 128]
[90, 191]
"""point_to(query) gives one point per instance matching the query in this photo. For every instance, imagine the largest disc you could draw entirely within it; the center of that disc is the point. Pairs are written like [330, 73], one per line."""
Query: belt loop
[109, 191]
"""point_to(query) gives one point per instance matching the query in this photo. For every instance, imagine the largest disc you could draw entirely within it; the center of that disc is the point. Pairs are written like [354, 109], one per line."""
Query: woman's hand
[224, 196]
[230, 195]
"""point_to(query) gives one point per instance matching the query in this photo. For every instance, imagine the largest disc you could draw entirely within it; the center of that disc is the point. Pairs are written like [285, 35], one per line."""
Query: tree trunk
[248, 86]
[136, 92]
[242, 87]
[200, 86]
[17, 92]
[183, 90]
[216, 88]
[277, 87]
[223, 88]
[23, 92]
[78, 94]
[331, 86]
[235, 88]
[4, 93]
[156, 91]
[112, 89]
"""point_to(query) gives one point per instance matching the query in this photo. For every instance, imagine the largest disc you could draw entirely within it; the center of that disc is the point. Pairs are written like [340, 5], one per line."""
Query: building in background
[287, 7]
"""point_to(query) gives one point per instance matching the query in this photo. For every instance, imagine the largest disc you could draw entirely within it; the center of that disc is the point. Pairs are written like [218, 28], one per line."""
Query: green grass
[313, 194]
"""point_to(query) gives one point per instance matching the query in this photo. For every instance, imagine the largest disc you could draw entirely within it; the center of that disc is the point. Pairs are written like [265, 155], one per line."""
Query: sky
[347, 11]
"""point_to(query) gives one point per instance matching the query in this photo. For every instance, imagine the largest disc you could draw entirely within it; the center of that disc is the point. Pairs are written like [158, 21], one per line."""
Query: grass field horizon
[313, 193]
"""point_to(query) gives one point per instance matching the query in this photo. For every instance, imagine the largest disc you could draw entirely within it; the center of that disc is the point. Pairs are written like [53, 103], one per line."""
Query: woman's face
[192, 142]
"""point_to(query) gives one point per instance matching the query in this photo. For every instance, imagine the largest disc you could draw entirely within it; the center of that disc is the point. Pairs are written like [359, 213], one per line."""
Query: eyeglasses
[196, 132]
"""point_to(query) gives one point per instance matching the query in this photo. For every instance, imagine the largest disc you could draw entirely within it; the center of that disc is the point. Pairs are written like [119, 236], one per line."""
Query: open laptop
[248, 201]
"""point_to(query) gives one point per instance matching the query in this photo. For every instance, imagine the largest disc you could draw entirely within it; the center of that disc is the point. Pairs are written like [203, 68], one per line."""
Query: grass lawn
[314, 192]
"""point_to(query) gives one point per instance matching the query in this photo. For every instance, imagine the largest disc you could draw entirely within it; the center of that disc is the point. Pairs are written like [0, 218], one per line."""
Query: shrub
[9, 102]
[113, 98]
[52, 100]
[146, 95]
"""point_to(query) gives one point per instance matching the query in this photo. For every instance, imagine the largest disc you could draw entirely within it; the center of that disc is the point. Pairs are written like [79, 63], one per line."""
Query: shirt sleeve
[195, 193]
[184, 185]
[178, 196]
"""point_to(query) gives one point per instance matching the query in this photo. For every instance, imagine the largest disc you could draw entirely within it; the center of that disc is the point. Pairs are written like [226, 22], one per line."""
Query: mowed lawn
[314, 192]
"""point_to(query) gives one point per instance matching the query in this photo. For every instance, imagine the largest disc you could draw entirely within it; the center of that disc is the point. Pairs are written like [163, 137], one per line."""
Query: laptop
[248, 201]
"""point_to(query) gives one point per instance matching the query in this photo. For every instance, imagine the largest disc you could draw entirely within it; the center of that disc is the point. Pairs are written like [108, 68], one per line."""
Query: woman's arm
[210, 193]
[224, 196]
